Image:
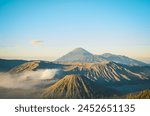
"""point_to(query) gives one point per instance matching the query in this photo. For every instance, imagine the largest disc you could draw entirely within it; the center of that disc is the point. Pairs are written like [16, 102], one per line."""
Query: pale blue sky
[47, 29]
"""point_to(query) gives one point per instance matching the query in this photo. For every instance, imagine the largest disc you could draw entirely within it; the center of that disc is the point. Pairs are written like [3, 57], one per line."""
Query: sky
[48, 29]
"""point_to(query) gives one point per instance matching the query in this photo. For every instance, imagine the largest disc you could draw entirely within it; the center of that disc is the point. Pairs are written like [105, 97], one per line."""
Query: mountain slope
[78, 55]
[122, 59]
[102, 71]
[81, 55]
[6, 65]
[76, 87]
[139, 95]
[34, 65]
[106, 72]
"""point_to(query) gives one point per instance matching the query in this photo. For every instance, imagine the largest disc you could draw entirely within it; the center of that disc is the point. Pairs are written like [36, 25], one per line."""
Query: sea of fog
[28, 79]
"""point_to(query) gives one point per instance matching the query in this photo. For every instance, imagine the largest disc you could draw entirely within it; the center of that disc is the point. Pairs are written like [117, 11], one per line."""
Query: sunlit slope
[79, 55]
[75, 86]
[105, 71]
[122, 59]
[34, 65]
[139, 95]
[82, 55]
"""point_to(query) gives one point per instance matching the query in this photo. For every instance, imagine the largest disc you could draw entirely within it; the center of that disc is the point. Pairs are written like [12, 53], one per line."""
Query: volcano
[76, 87]
[78, 55]
[82, 55]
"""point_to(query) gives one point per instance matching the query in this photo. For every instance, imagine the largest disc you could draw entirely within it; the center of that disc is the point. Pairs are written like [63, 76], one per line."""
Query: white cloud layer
[29, 79]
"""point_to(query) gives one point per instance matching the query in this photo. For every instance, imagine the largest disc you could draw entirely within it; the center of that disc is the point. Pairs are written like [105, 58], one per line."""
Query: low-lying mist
[28, 79]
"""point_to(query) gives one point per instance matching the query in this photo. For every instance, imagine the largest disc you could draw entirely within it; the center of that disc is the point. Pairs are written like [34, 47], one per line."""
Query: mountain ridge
[82, 55]
[6, 65]
[76, 55]
[34, 65]
[107, 71]
[76, 87]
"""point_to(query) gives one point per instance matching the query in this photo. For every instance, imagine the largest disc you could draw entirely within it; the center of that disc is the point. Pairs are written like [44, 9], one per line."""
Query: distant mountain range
[104, 71]
[6, 65]
[84, 75]
[107, 71]
[77, 55]
[81, 55]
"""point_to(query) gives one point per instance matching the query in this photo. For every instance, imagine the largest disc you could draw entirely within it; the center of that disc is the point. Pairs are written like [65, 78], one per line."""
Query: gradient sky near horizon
[48, 29]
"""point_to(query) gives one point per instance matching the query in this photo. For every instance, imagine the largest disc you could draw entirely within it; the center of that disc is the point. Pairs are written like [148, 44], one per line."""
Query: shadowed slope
[78, 55]
[122, 59]
[34, 65]
[76, 87]
[6, 65]
[105, 71]
[81, 55]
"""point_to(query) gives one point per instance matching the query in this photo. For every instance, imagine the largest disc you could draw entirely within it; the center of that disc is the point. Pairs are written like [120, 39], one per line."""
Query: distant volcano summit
[77, 55]
[82, 55]
[81, 75]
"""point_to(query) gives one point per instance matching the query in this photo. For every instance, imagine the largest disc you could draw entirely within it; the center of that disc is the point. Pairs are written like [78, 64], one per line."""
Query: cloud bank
[29, 79]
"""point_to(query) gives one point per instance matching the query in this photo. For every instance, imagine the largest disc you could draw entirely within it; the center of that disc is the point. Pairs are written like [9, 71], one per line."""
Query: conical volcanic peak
[81, 55]
[77, 55]
[75, 87]
[71, 86]
[80, 51]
